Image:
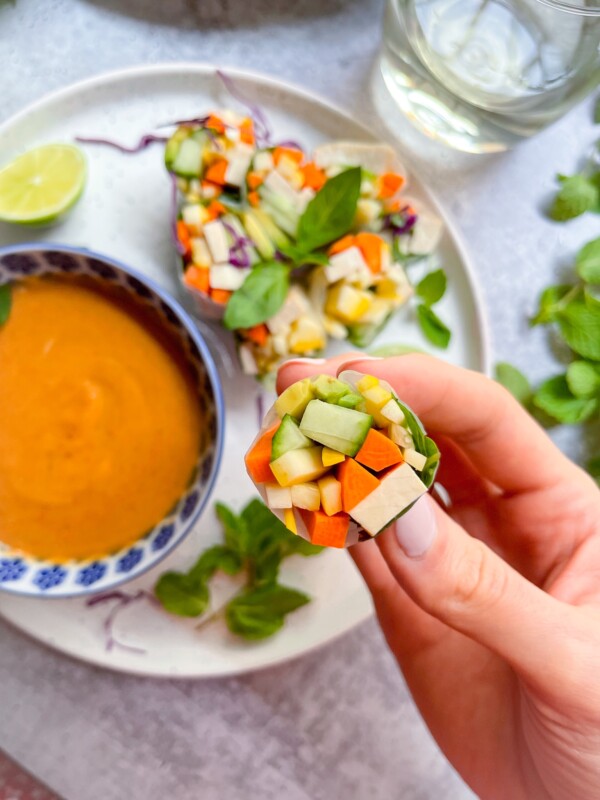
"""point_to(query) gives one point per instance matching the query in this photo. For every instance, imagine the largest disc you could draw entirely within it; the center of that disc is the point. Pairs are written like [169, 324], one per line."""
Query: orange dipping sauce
[99, 421]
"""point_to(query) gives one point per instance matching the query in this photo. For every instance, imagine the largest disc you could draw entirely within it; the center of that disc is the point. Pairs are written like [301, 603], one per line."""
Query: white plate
[124, 213]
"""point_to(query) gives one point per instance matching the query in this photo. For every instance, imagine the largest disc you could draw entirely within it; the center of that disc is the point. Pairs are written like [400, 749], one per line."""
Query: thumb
[460, 581]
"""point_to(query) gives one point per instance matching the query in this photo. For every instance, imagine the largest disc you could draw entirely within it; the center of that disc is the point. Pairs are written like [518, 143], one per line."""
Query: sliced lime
[43, 183]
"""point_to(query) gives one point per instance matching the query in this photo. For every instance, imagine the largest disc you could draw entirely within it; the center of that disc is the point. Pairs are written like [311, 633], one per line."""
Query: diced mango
[331, 495]
[367, 383]
[415, 459]
[289, 520]
[377, 395]
[278, 496]
[306, 335]
[298, 466]
[306, 495]
[373, 409]
[294, 399]
[347, 303]
[331, 457]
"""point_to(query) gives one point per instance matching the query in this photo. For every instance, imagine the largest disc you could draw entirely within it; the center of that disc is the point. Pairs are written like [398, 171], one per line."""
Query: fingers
[461, 582]
[504, 443]
[298, 368]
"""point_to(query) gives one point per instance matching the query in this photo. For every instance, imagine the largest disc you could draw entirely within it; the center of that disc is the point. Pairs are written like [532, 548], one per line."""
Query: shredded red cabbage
[262, 129]
[291, 144]
[174, 211]
[146, 140]
[238, 255]
[123, 600]
[260, 408]
[401, 222]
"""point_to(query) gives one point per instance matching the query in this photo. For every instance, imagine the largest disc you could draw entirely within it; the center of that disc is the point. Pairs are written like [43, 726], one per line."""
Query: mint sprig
[430, 290]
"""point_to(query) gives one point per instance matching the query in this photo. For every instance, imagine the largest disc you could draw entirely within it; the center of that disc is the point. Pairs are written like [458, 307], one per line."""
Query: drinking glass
[480, 75]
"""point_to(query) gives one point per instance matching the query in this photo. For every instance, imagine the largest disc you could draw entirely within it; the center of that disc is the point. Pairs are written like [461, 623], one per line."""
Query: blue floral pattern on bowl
[24, 575]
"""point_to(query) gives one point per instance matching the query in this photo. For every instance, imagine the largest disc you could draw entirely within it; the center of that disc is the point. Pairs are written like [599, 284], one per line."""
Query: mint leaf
[514, 380]
[389, 350]
[432, 287]
[235, 531]
[583, 379]
[580, 327]
[330, 214]
[577, 195]
[293, 545]
[220, 557]
[556, 399]
[591, 298]
[260, 296]
[261, 612]
[182, 594]
[547, 303]
[5, 302]
[587, 262]
[433, 327]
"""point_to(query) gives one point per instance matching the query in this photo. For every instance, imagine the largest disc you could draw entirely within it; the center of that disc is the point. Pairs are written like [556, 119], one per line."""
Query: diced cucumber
[350, 400]
[188, 161]
[288, 437]
[258, 235]
[362, 334]
[173, 145]
[298, 466]
[275, 234]
[342, 429]
[329, 389]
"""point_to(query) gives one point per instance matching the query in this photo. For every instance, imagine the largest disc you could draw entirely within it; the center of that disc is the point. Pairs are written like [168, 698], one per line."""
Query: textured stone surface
[337, 723]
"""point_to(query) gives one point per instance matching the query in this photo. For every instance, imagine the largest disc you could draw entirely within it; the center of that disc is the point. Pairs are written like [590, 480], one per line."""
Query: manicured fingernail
[362, 358]
[304, 361]
[417, 529]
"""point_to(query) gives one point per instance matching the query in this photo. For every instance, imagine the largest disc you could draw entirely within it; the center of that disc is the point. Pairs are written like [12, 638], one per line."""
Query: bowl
[25, 575]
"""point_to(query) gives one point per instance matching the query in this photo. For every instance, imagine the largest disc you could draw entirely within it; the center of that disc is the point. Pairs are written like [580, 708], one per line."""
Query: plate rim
[208, 69]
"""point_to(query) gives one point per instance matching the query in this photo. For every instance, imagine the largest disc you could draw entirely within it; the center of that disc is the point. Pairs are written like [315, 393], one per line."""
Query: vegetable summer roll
[339, 459]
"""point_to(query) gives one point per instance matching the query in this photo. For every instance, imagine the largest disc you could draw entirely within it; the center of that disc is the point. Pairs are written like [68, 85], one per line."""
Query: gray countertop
[337, 723]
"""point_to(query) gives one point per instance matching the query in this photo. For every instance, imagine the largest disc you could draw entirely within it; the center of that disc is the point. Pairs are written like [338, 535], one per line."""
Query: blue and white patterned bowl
[24, 575]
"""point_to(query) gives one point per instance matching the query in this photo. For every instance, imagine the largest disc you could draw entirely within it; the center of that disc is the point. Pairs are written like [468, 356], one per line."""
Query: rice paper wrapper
[422, 443]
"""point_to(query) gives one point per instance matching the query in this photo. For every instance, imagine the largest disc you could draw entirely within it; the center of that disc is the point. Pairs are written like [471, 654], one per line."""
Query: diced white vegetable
[195, 186]
[345, 264]
[194, 217]
[243, 149]
[200, 253]
[277, 184]
[334, 328]
[229, 117]
[263, 161]
[400, 435]
[278, 496]
[247, 360]
[368, 188]
[279, 344]
[226, 276]
[304, 197]
[208, 191]
[233, 134]
[415, 459]
[306, 495]
[215, 234]
[427, 231]
[235, 174]
[289, 169]
[307, 334]
[348, 304]
[331, 494]
[378, 312]
[296, 304]
[396, 491]
[367, 211]
[376, 158]
[392, 411]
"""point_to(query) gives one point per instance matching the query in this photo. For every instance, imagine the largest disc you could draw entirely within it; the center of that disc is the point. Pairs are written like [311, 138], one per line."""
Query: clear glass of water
[480, 75]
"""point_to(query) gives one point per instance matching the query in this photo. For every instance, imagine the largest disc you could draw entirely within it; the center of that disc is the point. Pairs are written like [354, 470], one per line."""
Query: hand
[492, 606]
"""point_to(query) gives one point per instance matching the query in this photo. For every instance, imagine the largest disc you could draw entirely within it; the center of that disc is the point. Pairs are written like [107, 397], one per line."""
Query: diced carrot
[370, 246]
[214, 189]
[314, 177]
[216, 172]
[197, 278]
[342, 244]
[258, 458]
[215, 123]
[184, 237]
[254, 199]
[297, 156]
[220, 295]
[215, 209]
[254, 179]
[326, 531]
[357, 483]
[378, 452]
[257, 334]
[389, 183]
[247, 131]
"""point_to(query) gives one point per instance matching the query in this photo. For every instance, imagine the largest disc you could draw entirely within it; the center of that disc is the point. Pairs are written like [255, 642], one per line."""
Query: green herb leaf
[219, 557]
[593, 467]
[433, 459]
[260, 296]
[330, 214]
[514, 380]
[260, 612]
[580, 327]
[5, 302]
[556, 399]
[597, 111]
[234, 529]
[587, 262]
[548, 302]
[577, 195]
[300, 257]
[182, 594]
[433, 327]
[416, 429]
[591, 298]
[389, 350]
[583, 378]
[432, 287]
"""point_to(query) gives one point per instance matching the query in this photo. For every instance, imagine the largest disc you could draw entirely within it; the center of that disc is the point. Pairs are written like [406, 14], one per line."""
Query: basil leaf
[330, 214]
[5, 302]
[433, 327]
[587, 262]
[583, 378]
[260, 296]
[415, 427]
[514, 380]
[556, 399]
[300, 258]
[577, 195]
[182, 594]
[260, 612]
[432, 287]
[219, 557]
[580, 327]
[547, 303]
[433, 461]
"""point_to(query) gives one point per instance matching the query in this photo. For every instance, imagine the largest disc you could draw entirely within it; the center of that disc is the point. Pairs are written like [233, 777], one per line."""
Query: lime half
[43, 183]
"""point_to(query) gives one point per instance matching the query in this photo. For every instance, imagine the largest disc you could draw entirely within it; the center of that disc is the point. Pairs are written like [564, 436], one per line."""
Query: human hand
[492, 606]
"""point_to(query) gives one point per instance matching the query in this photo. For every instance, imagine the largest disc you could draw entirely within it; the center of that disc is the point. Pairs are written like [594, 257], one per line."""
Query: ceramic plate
[124, 214]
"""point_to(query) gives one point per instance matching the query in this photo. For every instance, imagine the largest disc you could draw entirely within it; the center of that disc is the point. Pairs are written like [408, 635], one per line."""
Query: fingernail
[363, 358]
[417, 529]
[304, 361]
